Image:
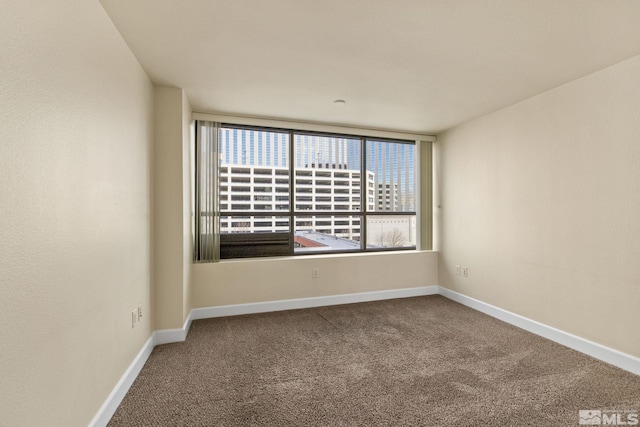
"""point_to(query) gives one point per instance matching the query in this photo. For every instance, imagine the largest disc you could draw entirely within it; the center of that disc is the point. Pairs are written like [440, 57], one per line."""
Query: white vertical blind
[207, 213]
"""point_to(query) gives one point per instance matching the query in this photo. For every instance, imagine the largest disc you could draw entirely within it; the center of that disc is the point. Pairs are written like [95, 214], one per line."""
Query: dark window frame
[264, 247]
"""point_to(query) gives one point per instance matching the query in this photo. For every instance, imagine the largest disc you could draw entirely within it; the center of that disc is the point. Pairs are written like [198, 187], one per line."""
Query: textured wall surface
[247, 281]
[76, 134]
[541, 201]
[168, 209]
[172, 208]
[188, 135]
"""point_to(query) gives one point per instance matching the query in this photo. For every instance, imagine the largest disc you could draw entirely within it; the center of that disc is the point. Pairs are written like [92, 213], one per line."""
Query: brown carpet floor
[416, 361]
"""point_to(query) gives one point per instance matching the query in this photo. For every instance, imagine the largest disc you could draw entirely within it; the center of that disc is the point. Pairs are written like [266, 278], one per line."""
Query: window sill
[320, 256]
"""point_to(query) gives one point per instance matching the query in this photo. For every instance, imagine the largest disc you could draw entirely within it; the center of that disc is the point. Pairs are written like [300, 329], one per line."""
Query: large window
[272, 192]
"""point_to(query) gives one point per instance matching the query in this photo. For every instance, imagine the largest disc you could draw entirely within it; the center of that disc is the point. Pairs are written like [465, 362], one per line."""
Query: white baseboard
[293, 304]
[163, 336]
[166, 336]
[598, 351]
[110, 405]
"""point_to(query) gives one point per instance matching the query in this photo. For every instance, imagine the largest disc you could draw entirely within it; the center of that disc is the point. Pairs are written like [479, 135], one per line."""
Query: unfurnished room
[319, 213]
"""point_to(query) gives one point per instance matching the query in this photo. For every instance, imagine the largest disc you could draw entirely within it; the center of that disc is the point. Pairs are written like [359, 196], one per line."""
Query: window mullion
[364, 194]
[292, 195]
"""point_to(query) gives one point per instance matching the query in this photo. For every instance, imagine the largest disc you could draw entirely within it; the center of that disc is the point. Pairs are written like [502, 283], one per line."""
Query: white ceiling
[409, 65]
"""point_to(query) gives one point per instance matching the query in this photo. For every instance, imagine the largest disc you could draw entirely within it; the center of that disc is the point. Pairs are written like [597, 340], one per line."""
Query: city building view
[333, 203]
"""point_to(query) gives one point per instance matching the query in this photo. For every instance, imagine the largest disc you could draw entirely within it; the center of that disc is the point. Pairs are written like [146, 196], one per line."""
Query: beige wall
[76, 133]
[541, 201]
[171, 220]
[247, 281]
[188, 136]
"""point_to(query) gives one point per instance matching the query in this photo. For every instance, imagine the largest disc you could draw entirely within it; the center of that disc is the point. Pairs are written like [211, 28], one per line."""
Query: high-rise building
[387, 197]
[254, 177]
[252, 189]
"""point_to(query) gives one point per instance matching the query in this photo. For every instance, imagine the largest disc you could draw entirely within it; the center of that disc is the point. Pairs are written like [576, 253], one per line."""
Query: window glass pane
[255, 172]
[326, 167]
[392, 169]
[321, 233]
[391, 231]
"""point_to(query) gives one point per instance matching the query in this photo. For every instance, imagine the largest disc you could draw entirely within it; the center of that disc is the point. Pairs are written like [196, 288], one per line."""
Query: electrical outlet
[465, 271]
[315, 273]
[140, 313]
[134, 318]
[458, 270]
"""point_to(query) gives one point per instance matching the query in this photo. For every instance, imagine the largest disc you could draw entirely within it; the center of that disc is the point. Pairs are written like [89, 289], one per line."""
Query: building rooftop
[313, 241]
